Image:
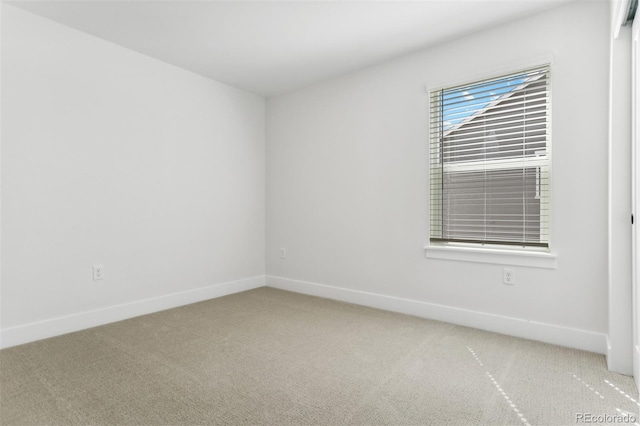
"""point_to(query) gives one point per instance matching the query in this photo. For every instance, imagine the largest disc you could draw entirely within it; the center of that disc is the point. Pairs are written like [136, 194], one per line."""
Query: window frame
[511, 254]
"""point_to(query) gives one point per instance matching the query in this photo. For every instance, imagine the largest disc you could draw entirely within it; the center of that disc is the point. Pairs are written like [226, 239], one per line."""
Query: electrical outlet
[508, 276]
[98, 272]
[283, 253]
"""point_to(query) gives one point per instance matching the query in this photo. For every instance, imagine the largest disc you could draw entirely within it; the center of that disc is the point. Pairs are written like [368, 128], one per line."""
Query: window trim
[487, 73]
[532, 256]
[499, 255]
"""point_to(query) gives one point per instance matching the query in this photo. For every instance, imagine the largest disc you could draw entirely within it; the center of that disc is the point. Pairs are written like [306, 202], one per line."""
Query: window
[490, 161]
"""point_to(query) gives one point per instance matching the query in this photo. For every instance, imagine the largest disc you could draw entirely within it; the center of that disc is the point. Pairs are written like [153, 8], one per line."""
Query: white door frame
[635, 194]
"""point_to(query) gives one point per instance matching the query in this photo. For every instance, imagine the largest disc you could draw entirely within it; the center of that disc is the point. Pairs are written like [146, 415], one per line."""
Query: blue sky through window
[460, 103]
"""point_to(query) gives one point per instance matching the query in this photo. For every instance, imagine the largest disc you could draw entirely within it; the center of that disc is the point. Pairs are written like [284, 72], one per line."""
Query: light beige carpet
[269, 357]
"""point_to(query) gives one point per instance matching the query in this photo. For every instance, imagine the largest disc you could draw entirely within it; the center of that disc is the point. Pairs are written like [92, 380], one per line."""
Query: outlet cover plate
[98, 272]
[508, 276]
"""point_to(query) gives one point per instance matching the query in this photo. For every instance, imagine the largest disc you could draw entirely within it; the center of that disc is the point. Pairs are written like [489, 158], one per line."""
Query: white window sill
[500, 256]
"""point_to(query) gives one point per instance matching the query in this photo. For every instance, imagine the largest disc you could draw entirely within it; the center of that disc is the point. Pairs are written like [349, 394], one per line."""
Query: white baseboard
[26, 333]
[549, 333]
[564, 336]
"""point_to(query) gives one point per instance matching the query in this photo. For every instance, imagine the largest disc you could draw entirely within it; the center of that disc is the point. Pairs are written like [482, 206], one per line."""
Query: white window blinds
[490, 160]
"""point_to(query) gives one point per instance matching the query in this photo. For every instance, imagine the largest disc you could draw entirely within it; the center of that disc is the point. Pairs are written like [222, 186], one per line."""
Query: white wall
[620, 337]
[110, 157]
[347, 185]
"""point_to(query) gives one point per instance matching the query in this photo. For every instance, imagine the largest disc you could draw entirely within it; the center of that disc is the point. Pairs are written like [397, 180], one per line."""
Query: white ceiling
[272, 47]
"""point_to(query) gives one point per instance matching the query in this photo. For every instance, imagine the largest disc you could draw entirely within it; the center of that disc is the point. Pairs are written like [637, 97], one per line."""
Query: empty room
[319, 212]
